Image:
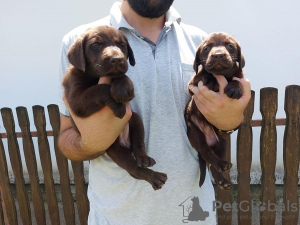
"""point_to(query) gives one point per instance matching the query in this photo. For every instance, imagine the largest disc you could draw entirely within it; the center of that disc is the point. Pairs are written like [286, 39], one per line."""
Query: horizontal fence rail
[45, 201]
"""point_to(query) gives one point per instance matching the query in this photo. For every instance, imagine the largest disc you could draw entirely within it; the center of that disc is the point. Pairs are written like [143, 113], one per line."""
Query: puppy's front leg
[122, 89]
[234, 89]
[93, 99]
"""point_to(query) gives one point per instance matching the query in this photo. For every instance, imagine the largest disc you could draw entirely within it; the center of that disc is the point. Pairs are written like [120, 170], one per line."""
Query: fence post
[81, 192]
[224, 196]
[268, 149]
[15, 159]
[7, 197]
[291, 149]
[44, 149]
[63, 167]
[244, 159]
[31, 164]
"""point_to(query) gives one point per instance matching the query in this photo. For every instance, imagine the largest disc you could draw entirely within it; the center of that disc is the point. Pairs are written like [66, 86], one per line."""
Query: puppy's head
[102, 51]
[219, 54]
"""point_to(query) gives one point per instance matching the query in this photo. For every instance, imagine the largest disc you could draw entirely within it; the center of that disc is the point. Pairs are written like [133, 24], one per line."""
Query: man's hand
[220, 110]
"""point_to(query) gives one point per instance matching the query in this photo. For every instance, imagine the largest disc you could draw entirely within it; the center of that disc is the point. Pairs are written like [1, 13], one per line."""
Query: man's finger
[198, 95]
[206, 92]
[222, 82]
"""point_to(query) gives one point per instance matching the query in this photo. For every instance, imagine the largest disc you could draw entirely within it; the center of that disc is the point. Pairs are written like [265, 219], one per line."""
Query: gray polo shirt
[160, 78]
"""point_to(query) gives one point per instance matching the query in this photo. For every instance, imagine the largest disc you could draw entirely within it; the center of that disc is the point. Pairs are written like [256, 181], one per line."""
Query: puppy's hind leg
[202, 165]
[122, 157]
[137, 135]
[198, 141]
[220, 180]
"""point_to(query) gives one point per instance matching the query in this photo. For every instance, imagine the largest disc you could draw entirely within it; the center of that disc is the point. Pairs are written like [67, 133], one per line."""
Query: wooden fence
[268, 151]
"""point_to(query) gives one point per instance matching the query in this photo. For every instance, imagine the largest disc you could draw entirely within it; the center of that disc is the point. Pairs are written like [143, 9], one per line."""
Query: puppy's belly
[208, 131]
[124, 137]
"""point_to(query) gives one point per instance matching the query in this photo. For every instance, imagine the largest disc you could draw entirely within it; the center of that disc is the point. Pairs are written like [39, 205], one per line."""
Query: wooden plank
[81, 192]
[291, 149]
[62, 164]
[30, 157]
[15, 159]
[33, 134]
[244, 159]
[225, 216]
[44, 150]
[254, 123]
[268, 151]
[258, 123]
[8, 201]
[1, 208]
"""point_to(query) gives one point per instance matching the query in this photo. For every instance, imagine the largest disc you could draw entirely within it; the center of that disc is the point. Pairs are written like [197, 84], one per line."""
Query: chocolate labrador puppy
[218, 54]
[103, 51]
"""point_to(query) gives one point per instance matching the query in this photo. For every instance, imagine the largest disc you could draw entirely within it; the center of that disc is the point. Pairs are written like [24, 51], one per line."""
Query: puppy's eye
[96, 45]
[230, 46]
[206, 49]
[122, 45]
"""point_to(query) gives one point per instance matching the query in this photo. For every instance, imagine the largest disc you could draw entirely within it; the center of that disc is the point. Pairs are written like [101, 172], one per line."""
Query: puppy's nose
[218, 55]
[115, 60]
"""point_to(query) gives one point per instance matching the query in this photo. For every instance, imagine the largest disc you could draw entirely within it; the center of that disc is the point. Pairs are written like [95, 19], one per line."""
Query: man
[164, 50]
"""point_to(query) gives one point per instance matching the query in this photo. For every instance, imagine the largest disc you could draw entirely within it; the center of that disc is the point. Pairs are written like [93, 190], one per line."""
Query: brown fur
[103, 51]
[218, 54]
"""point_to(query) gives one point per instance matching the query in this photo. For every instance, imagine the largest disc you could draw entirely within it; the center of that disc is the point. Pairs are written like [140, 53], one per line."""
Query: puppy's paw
[119, 109]
[122, 93]
[158, 180]
[234, 90]
[224, 184]
[211, 82]
[223, 165]
[144, 160]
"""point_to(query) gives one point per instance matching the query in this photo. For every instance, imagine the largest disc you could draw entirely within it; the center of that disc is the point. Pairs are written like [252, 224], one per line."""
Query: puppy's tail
[202, 165]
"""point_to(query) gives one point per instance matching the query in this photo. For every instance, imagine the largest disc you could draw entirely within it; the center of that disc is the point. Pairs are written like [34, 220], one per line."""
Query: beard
[150, 8]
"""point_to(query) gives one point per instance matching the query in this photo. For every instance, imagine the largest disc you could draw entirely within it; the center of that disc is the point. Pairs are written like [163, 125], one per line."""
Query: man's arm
[223, 112]
[98, 132]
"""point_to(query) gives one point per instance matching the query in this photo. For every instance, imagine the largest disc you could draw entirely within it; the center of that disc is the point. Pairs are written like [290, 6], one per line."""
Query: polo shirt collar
[118, 21]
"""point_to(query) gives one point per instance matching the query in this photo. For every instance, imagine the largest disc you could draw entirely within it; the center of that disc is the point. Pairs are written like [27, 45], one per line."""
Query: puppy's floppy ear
[240, 57]
[76, 54]
[197, 61]
[130, 55]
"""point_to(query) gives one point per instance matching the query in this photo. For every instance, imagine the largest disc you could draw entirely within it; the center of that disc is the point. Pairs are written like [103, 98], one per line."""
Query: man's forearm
[70, 144]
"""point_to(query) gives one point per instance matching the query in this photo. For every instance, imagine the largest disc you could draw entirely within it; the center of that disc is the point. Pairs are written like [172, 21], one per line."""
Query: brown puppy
[103, 51]
[218, 54]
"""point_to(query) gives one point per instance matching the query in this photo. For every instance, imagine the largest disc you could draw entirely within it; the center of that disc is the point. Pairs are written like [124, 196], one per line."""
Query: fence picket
[63, 168]
[15, 158]
[7, 197]
[291, 149]
[30, 157]
[44, 149]
[81, 192]
[244, 159]
[1, 209]
[225, 216]
[268, 150]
